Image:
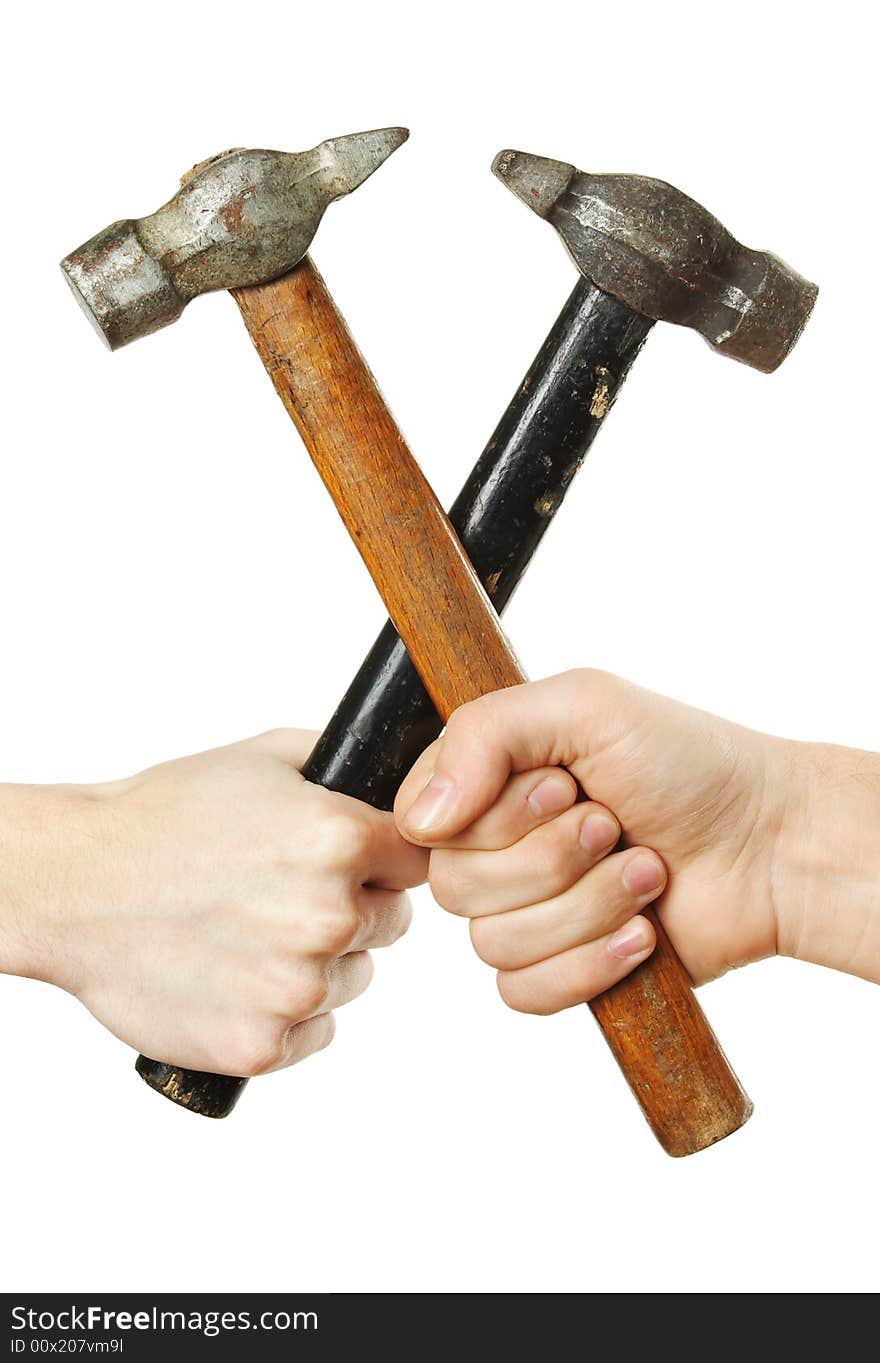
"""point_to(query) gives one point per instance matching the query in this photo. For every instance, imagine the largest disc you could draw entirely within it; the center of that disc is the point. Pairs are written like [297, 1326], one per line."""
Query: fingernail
[550, 796]
[598, 831]
[642, 875]
[630, 940]
[433, 806]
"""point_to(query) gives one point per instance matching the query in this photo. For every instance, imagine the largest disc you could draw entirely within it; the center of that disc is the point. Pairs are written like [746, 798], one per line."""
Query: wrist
[47, 845]
[827, 874]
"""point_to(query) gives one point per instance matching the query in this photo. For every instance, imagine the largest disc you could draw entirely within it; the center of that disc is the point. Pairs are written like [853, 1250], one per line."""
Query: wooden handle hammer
[652, 1021]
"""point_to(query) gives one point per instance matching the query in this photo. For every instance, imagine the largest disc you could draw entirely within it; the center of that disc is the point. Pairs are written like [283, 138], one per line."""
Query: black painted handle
[386, 718]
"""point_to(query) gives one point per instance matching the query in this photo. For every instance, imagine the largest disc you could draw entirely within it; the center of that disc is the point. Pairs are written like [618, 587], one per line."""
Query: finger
[539, 724]
[526, 802]
[384, 915]
[578, 975]
[289, 745]
[362, 844]
[344, 978]
[540, 866]
[601, 901]
[304, 1039]
[390, 862]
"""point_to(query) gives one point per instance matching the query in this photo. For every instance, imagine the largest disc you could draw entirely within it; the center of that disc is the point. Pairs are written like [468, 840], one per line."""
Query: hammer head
[245, 217]
[663, 255]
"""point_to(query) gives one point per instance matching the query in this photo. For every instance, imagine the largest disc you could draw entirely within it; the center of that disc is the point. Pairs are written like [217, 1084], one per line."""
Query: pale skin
[750, 845]
[212, 911]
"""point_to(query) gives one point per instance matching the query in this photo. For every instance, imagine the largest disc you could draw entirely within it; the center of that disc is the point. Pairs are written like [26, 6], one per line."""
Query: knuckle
[259, 1049]
[340, 928]
[584, 678]
[262, 990]
[307, 1038]
[449, 886]
[588, 686]
[452, 887]
[461, 719]
[488, 941]
[470, 721]
[553, 857]
[360, 839]
[579, 676]
[520, 999]
[343, 839]
[311, 994]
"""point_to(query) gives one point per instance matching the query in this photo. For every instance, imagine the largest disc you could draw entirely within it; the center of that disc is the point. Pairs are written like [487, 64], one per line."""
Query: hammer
[305, 408]
[663, 256]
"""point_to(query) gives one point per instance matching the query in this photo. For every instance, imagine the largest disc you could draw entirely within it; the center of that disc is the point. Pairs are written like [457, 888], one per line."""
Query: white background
[174, 577]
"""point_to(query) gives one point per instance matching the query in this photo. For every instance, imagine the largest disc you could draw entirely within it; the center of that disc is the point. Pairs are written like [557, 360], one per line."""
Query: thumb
[538, 724]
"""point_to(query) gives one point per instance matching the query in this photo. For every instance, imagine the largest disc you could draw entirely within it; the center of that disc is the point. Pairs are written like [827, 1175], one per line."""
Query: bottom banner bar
[188, 1326]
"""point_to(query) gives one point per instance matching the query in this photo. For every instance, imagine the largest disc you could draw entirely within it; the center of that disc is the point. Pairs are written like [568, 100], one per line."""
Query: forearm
[827, 873]
[43, 842]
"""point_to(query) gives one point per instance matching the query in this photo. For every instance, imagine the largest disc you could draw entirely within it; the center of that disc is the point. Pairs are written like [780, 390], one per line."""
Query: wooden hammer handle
[434, 597]
[651, 1020]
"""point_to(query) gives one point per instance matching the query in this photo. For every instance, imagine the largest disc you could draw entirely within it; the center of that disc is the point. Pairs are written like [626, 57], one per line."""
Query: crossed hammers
[244, 221]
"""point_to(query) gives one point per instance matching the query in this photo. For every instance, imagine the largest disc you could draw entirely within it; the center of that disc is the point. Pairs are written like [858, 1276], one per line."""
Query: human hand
[211, 911]
[761, 844]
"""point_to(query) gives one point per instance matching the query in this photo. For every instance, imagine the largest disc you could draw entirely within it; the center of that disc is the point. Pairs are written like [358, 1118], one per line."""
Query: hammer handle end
[671, 1057]
[210, 1095]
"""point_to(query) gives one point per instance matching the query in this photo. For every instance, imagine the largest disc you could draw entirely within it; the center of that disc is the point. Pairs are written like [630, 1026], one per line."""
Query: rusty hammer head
[663, 255]
[245, 217]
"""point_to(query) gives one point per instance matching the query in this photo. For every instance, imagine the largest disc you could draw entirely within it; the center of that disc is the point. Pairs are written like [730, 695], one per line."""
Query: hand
[212, 911]
[760, 844]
